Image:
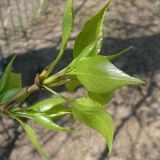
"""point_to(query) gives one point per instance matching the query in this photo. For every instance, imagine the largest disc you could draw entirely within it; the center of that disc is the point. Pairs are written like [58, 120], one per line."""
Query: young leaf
[67, 23]
[58, 111]
[9, 94]
[99, 75]
[66, 31]
[72, 85]
[10, 82]
[91, 31]
[14, 81]
[45, 121]
[4, 78]
[110, 57]
[46, 104]
[40, 118]
[101, 98]
[93, 115]
[89, 50]
[32, 137]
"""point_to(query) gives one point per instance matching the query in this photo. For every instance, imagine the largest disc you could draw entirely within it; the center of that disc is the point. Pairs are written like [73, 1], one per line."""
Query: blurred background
[32, 30]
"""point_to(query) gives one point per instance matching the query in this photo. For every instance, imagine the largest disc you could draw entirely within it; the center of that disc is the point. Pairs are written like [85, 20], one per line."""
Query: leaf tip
[138, 81]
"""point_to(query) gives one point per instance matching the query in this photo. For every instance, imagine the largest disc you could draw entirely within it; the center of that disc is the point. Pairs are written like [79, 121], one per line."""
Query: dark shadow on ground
[143, 60]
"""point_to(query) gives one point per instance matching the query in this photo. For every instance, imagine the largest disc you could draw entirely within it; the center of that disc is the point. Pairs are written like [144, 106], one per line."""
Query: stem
[55, 62]
[22, 28]
[3, 27]
[52, 91]
[26, 91]
[59, 83]
[57, 94]
[54, 77]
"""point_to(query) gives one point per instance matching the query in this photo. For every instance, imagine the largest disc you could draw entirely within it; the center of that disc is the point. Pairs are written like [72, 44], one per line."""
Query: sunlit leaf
[101, 98]
[58, 111]
[40, 118]
[14, 81]
[32, 137]
[10, 83]
[67, 23]
[72, 85]
[90, 49]
[66, 32]
[99, 75]
[4, 78]
[91, 31]
[93, 115]
[110, 57]
[45, 121]
[9, 94]
[46, 104]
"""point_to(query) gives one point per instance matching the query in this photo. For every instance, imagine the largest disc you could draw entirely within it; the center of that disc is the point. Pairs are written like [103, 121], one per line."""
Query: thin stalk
[42, 7]
[11, 18]
[52, 91]
[55, 62]
[3, 27]
[52, 78]
[22, 29]
[26, 11]
[26, 91]
[33, 12]
[59, 83]
[57, 94]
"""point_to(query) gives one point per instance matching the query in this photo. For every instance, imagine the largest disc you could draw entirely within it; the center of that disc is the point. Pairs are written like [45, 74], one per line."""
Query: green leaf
[66, 32]
[32, 137]
[89, 50]
[91, 31]
[93, 115]
[99, 75]
[110, 57]
[9, 94]
[45, 121]
[72, 85]
[4, 78]
[10, 81]
[14, 81]
[40, 118]
[46, 104]
[67, 23]
[58, 111]
[101, 98]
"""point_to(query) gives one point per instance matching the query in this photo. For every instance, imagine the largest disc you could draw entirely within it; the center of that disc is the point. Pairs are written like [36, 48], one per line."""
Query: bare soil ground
[135, 109]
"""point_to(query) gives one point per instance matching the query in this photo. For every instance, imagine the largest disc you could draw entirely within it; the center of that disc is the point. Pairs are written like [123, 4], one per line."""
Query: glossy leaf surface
[72, 85]
[90, 49]
[9, 94]
[32, 137]
[66, 32]
[10, 83]
[101, 98]
[94, 116]
[40, 118]
[4, 78]
[14, 81]
[67, 23]
[110, 57]
[91, 31]
[58, 111]
[99, 75]
[46, 104]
